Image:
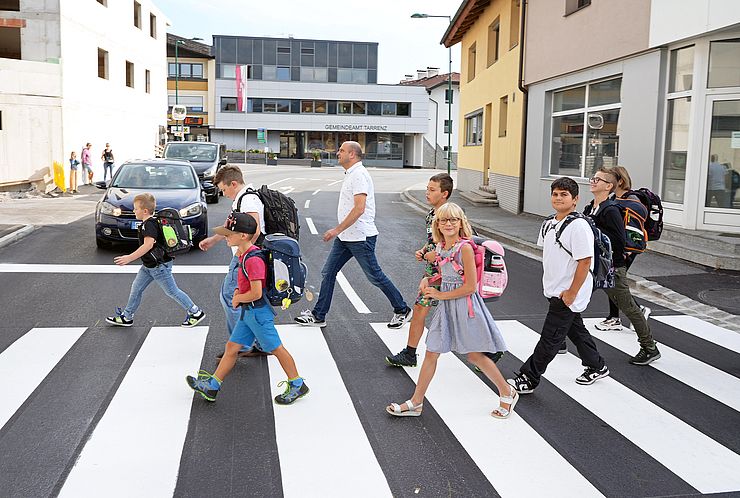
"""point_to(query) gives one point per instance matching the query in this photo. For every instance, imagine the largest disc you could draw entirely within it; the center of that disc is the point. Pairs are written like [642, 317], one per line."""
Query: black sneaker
[563, 349]
[522, 384]
[308, 319]
[645, 356]
[591, 375]
[193, 319]
[118, 319]
[291, 393]
[402, 359]
[399, 319]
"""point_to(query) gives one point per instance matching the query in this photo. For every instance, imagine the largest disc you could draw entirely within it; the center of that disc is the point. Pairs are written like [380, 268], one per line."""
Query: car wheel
[103, 244]
[214, 198]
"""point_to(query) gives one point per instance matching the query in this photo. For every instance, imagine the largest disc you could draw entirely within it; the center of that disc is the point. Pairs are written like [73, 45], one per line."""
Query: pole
[177, 80]
[449, 112]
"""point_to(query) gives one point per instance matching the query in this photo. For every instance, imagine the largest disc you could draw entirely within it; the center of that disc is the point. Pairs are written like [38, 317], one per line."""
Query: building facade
[656, 90]
[491, 104]
[74, 73]
[191, 76]
[311, 95]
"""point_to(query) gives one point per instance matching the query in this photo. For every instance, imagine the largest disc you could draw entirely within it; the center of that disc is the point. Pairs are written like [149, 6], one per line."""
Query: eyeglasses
[596, 179]
[445, 221]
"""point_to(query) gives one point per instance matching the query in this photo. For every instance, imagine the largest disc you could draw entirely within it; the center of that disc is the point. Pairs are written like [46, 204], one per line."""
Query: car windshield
[155, 176]
[192, 152]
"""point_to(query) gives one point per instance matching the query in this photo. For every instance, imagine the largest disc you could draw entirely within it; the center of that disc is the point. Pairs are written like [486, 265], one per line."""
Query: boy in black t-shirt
[156, 267]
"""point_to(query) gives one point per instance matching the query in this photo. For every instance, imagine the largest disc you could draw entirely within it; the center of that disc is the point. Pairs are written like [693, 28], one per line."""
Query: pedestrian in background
[73, 163]
[86, 158]
[107, 158]
[354, 237]
[462, 322]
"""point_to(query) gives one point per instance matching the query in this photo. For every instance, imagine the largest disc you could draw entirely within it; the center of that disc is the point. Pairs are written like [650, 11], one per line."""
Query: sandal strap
[502, 411]
[396, 407]
[410, 405]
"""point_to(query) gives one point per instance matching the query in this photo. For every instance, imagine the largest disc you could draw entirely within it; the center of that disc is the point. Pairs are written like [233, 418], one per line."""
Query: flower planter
[272, 162]
[315, 163]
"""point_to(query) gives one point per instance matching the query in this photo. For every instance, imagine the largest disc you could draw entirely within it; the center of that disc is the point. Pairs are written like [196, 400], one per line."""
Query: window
[194, 103]
[228, 71]
[282, 73]
[359, 76]
[137, 14]
[307, 106]
[471, 62]
[403, 109]
[344, 76]
[153, 26]
[503, 113]
[171, 69]
[358, 107]
[102, 64]
[129, 74]
[196, 70]
[494, 33]
[10, 40]
[575, 5]
[314, 74]
[269, 73]
[474, 129]
[585, 128]
[320, 107]
[228, 104]
[724, 64]
[681, 69]
[147, 81]
[389, 109]
[723, 171]
[276, 106]
[344, 107]
[514, 24]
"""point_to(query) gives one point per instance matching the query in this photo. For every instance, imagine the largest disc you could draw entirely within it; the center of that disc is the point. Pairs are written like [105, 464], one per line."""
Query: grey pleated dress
[452, 329]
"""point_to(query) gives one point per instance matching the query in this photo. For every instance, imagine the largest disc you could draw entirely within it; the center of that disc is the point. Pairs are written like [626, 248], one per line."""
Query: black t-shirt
[608, 219]
[156, 256]
[108, 156]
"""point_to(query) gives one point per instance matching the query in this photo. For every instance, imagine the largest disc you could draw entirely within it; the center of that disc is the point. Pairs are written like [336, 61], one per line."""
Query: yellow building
[491, 104]
[191, 74]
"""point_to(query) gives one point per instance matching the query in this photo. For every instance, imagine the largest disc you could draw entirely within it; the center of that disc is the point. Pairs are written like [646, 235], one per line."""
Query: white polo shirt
[559, 267]
[250, 204]
[357, 181]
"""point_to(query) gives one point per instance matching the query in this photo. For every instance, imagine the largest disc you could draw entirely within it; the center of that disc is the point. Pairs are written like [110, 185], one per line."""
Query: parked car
[206, 158]
[173, 183]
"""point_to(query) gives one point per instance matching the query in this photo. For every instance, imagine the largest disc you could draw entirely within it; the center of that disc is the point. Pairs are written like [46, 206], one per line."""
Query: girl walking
[462, 322]
[73, 163]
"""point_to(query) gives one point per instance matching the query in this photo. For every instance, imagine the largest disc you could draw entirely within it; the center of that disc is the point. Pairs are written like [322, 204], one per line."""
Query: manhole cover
[722, 298]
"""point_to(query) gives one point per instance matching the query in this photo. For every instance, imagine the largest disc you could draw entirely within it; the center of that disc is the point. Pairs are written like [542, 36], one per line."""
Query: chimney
[408, 77]
[422, 73]
[432, 71]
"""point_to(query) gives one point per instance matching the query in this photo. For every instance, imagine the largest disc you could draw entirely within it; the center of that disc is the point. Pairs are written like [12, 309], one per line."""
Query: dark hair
[565, 183]
[445, 183]
[229, 174]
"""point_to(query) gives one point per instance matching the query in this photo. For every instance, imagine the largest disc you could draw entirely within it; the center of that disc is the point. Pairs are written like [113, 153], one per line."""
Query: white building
[309, 95]
[76, 72]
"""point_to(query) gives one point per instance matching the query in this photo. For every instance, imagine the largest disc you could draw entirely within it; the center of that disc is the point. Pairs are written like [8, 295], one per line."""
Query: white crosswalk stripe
[704, 330]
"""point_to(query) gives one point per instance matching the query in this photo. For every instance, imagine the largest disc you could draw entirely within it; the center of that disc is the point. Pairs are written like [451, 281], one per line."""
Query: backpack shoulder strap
[564, 224]
[246, 192]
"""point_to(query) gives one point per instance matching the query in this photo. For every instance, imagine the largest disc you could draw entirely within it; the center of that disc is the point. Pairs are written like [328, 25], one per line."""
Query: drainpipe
[525, 105]
[436, 128]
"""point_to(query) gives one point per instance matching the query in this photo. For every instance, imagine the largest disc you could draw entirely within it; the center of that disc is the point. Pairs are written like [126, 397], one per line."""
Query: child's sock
[411, 350]
[194, 310]
[214, 383]
[298, 381]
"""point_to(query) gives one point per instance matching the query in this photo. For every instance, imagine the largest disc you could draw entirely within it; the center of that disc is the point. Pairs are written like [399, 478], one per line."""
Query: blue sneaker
[202, 385]
[118, 319]
[292, 392]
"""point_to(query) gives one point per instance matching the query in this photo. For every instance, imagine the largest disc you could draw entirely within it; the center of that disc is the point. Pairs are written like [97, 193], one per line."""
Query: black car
[206, 158]
[173, 183]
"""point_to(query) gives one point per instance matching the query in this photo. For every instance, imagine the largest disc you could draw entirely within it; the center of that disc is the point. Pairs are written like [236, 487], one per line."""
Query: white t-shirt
[559, 267]
[357, 181]
[250, 204]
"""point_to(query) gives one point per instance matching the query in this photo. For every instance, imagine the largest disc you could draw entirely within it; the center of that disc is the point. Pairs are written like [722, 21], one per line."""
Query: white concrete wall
[674, 20]
[97, 110]
[438, 95]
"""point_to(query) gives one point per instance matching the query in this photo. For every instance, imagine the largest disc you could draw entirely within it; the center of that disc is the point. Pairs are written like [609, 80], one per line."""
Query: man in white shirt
[567, 283]
[354, 237]
[230, 181]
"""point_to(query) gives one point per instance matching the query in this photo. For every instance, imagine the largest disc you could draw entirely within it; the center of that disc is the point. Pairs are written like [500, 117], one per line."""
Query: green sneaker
[291, 393]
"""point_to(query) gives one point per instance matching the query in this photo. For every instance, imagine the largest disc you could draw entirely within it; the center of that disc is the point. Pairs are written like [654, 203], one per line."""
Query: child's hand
[122, 260]
[431, 256]
[568, 296]
[423, 285]
[419, 255]
[432, 293]
[235, 300]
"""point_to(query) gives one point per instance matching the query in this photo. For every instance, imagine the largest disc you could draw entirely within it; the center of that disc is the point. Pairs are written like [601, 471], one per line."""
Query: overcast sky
[405, 44]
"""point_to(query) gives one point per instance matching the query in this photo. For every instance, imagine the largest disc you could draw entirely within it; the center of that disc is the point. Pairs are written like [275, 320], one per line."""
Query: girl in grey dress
[462, 322]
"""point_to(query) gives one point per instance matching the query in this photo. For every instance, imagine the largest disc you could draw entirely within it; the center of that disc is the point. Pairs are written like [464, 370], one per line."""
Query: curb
[641, 287]
[17, 235]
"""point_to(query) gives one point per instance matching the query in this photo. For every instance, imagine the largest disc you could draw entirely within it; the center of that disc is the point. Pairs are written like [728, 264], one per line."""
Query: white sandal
[510, 400]
[411, 411]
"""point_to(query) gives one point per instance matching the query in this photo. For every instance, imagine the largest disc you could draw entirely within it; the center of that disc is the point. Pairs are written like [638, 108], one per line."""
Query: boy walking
[257, 320]
[156, 267]
[567, 284]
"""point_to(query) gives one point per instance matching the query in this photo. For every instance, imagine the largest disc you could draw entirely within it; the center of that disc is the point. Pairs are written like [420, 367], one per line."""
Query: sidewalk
[713, 295]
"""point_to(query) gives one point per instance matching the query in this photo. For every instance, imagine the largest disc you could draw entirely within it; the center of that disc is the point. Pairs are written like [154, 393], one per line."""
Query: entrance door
[720, 202]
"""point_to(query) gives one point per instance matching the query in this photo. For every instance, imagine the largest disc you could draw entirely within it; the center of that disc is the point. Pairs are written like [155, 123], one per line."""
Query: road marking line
[305, 206]
[324, 425]
[26, 363]
[316, 191]
[311, 226]
[112, 268]
[471, 423]
[143, 430]
[335, 182]
[351, 294]
[666, 438]
[704, 330]
[279, 181]
[711, 381]
[287, 190]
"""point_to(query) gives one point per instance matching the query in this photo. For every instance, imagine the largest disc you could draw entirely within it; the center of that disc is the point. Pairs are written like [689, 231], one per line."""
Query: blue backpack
[286, 272]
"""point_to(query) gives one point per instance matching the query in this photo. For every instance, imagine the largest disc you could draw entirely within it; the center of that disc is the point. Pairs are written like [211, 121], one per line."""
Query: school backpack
[286, 272]
[281, 215]
[177, 238]
[634, 215]
[654, 206]
[603, 273]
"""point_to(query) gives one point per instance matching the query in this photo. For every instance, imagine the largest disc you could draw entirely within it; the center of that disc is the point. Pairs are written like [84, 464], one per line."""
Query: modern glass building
[311, 95]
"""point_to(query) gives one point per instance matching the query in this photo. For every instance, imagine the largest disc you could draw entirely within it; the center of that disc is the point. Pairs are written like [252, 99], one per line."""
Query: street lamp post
[177, 70]
[449, 94]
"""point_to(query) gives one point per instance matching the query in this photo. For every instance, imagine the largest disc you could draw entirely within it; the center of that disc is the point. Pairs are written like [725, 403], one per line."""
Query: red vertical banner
[241, 88]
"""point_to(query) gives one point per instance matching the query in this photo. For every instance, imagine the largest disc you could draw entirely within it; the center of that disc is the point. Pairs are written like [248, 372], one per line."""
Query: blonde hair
[450, 210]
[147, 201]
[624, 181]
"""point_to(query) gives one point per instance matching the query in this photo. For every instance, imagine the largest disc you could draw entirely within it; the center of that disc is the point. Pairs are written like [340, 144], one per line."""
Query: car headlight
[210, 172]
[191, 210]
[109, 209]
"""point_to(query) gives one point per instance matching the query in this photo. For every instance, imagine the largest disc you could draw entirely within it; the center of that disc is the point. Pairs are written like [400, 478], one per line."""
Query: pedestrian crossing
[332, 443]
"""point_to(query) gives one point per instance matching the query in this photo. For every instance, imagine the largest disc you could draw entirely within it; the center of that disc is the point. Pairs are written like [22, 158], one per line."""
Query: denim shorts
[257, 323]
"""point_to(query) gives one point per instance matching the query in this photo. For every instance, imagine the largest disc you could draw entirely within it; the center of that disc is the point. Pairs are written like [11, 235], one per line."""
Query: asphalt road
[625, 436]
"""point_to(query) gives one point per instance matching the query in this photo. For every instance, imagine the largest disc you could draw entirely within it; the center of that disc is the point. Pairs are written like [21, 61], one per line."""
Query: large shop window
[723, 173]
[678, 112]
[585, 128]
[384, 146]
[474, 129]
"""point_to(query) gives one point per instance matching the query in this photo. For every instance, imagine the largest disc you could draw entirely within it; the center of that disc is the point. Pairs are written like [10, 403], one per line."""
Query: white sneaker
[609, 324]
[399, 319]
[308, 319]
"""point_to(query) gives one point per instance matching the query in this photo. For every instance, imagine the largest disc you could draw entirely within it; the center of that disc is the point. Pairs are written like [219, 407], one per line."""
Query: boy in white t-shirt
[567, 283]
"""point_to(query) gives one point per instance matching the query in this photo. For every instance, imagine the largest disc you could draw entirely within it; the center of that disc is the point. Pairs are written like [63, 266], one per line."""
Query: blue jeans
[364, 252]
[162, 274]
[106, 168]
